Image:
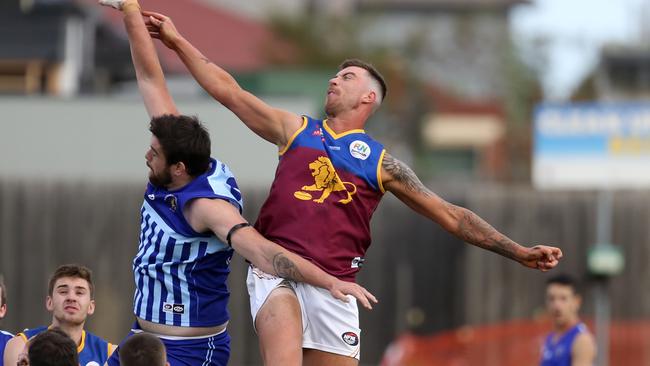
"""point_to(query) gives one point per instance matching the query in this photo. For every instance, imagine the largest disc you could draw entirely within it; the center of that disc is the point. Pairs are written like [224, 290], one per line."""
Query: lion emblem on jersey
[326, 181]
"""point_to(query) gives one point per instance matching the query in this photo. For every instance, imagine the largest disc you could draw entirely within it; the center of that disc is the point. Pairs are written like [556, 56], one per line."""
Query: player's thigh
[314, 357]
[279, 328]
[332, 326]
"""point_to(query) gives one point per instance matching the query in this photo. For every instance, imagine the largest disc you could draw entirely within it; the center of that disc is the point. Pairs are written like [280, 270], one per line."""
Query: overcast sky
[577, 29]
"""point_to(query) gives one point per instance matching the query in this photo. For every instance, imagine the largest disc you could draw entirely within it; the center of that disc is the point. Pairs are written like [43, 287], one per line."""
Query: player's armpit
[399, 179]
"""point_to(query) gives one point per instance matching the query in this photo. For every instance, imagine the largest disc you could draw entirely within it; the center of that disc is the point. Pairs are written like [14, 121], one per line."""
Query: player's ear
[91, 307]
[370, 97]
[48, 303]
[578, 300]
[179, 168]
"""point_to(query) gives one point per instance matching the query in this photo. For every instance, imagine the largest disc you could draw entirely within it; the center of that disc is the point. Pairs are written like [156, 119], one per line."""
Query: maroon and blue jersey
[92, 349]
[557, 352]
[326, 188]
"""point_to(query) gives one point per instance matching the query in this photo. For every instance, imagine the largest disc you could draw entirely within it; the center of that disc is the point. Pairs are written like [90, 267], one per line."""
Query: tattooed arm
[272, 124]
[399, 179]
[220, 216]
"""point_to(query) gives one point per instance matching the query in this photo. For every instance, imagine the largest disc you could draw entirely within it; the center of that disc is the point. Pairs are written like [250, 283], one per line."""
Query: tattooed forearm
[285, 268]
[403, 174]
[474, 230]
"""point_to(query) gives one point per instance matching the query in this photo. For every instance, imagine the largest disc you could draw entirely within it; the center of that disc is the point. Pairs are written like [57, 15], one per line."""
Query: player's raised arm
[272, 124]
[224, 220]
[400, 180]
[151, 80]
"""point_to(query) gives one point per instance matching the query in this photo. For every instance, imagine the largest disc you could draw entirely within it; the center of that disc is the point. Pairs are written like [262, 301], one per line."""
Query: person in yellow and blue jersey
[4, 335]
[51, 347]
[70, 299]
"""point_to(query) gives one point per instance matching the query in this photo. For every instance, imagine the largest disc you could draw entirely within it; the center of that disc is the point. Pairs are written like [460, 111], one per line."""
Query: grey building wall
[105, 139]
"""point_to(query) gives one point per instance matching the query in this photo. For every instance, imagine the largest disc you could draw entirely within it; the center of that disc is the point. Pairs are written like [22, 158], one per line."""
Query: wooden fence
[427, 281]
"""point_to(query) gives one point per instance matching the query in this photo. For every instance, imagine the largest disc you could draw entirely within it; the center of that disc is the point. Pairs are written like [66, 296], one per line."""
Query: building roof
[438, 5]
[233, 42]
[446, 102]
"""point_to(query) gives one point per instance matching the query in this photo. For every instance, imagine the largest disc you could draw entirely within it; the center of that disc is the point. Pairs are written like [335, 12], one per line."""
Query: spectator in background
[4, 336]
[70, 300]
[143, 349]
[570, 343]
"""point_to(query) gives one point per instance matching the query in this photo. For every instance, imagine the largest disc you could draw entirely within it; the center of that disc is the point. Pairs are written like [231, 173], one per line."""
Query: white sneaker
[117, 4]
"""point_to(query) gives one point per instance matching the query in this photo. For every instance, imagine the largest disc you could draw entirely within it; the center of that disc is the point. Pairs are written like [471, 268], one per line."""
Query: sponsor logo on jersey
[357, 262]
[326, 180]
[350, 338]
[335, 148]
[173, 308]
[92, 363]
[152, 196]
[171, 201]
[360, 150]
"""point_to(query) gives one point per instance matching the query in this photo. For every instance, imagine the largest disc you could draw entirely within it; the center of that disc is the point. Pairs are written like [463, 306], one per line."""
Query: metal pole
[601, 297]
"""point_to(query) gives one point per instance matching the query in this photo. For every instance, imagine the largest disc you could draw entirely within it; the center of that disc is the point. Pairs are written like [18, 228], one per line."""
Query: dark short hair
[74, 271]
[142, 349]
[564, 280]
[183, 139]
[371, 70]
[3, 291]
[52, 348]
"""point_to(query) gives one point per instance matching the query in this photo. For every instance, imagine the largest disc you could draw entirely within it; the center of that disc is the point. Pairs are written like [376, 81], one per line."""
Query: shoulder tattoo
[404, 175]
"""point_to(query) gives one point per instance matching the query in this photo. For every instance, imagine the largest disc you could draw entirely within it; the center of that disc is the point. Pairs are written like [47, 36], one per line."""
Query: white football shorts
[328, 324]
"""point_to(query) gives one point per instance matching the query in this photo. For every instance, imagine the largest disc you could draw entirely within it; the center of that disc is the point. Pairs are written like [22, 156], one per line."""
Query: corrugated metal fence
[426, 280]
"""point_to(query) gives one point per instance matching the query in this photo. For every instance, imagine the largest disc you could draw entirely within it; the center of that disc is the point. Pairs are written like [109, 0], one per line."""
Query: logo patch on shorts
[350, 338]
[173, 308]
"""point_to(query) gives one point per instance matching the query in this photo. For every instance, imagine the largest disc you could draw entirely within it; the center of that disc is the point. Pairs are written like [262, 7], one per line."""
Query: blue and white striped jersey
[180, 275]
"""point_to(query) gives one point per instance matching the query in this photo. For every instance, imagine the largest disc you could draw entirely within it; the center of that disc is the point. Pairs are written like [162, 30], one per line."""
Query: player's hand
[541, 257]
[161, 27]
[340, 290]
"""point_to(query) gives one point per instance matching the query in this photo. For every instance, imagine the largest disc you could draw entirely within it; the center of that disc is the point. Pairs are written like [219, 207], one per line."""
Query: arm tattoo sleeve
[285, 268]
[403, 174]
[474, 230]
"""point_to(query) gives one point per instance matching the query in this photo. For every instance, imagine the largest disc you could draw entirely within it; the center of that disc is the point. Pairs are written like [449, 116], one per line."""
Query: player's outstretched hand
[542, 257]
[161, 27]
[340, 290]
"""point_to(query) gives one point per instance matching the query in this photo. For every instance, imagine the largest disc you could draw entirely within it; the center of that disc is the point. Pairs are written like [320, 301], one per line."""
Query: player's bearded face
[161, 178]
[159, 173]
